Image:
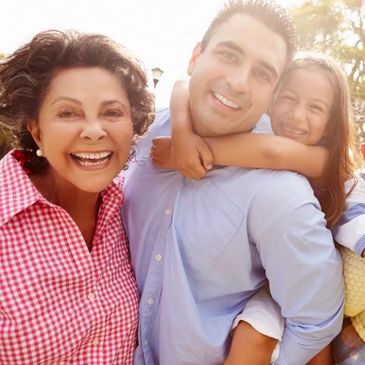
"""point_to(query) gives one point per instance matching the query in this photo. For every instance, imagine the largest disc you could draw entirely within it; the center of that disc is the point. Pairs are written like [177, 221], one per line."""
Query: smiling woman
[68, 294]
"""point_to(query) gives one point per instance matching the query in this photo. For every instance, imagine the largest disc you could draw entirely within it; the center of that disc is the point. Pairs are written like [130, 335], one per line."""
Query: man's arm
[302, 265]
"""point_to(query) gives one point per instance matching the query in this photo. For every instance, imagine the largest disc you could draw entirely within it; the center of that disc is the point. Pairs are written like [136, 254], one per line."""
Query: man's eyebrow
[266, 65]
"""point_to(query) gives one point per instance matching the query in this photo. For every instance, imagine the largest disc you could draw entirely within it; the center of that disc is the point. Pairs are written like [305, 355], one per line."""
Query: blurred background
[163, 33]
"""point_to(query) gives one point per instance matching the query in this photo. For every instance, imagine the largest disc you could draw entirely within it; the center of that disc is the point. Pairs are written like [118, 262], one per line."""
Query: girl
[311, 118]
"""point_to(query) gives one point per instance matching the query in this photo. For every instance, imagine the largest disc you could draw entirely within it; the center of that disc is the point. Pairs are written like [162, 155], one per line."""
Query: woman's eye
[66, 114]
[113, 113]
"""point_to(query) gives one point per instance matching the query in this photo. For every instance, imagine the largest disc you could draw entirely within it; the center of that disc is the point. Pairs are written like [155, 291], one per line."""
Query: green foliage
[337, 28]
[5, 132]
[5, 139]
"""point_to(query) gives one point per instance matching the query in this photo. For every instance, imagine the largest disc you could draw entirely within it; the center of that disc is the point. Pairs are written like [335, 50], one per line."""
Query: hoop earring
[39, 153]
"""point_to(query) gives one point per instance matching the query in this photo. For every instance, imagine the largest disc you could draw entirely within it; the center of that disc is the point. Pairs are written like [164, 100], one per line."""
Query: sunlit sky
[159, 32]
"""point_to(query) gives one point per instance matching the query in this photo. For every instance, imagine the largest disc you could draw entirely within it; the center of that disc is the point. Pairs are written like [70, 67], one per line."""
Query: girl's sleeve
[350, 230]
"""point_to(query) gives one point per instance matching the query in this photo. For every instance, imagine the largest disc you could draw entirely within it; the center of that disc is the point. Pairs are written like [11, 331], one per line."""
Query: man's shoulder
[161, 125]
[282, 187]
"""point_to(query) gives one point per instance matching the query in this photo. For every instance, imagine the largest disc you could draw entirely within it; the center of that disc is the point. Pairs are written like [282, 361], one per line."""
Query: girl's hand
[161, 152]
[191, 155]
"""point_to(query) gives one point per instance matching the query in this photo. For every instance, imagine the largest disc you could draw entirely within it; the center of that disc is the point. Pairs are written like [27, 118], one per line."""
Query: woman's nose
[93, 131]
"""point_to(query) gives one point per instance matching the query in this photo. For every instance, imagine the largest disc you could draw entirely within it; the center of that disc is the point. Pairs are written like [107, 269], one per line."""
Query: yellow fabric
[354, 274]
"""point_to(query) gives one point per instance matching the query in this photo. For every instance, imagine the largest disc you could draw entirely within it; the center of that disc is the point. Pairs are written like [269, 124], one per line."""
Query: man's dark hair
[274, 16]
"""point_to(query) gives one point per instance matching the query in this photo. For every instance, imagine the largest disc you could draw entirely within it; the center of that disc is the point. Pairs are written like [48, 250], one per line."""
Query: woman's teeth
[87, 159]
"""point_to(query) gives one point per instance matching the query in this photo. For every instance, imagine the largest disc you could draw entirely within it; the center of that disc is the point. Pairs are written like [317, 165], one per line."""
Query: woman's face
[84, 127]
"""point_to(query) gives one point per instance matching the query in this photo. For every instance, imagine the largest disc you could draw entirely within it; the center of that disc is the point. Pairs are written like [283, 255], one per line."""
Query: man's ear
[34, 130]
[194, 57]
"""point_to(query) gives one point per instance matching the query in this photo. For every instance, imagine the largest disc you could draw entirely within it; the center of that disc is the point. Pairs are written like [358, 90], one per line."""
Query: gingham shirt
[59, 303]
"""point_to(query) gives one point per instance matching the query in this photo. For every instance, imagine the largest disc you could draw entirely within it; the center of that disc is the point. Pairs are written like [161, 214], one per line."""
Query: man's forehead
[253, 38]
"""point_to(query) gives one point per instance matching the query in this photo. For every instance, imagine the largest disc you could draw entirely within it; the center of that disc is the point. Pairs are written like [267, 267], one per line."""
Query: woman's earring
[39, 152]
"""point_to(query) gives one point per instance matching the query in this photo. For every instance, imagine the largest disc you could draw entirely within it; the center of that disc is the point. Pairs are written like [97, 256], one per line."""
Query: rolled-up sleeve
[302, 265]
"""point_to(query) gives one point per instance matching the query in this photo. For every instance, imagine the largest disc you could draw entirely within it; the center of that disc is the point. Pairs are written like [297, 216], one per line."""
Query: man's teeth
[226, 102]
[91, 156]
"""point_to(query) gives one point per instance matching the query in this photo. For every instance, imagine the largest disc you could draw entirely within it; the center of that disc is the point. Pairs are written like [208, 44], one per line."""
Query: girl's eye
[316, 108]
[288, 98]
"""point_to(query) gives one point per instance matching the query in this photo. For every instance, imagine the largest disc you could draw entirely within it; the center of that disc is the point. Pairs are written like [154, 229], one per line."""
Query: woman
[67, 291]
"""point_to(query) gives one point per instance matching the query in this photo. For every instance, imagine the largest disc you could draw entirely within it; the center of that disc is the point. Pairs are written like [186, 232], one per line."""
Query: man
[201, 249]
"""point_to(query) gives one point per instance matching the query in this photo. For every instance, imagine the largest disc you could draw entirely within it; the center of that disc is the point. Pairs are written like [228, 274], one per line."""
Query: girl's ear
[363, 150]
[34, 130]
[194, 57]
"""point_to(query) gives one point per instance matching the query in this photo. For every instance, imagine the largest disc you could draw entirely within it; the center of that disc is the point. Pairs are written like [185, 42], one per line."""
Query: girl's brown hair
[25, 77]
[340, 133]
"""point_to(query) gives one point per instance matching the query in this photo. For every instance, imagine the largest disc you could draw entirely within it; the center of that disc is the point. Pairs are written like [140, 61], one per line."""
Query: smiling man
[201, 249]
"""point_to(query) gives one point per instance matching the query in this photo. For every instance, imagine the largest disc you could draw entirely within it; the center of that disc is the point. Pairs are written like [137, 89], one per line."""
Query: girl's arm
[249, 347]
[270, 152]
[189, 154]
[186, 152]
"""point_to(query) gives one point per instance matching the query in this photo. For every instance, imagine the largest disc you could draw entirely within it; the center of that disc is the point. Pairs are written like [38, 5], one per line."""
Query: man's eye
[263, 75]
[228, 56]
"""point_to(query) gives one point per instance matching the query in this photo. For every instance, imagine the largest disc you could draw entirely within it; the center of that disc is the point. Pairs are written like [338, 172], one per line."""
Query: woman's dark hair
[26, 74]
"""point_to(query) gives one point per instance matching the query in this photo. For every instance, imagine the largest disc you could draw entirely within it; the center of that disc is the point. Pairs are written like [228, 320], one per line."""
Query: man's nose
[239, 79]
[93, 131]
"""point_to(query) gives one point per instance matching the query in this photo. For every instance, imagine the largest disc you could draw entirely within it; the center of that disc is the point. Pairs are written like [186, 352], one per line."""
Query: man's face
[232, 80]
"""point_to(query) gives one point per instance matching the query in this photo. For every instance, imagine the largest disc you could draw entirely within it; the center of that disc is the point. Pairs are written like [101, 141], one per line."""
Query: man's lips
[225, 101]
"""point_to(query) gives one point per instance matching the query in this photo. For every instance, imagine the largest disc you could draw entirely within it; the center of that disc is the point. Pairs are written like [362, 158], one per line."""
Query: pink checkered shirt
[59, 303]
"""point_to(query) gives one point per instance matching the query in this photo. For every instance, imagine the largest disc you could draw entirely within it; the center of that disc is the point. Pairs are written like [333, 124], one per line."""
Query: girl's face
[84, 128]
[302, 108]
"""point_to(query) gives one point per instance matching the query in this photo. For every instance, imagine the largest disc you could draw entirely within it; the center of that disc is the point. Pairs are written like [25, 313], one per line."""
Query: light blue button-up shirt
[200, 249]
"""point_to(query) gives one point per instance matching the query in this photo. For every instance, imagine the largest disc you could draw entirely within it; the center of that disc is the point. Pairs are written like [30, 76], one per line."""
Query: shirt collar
[17, 192]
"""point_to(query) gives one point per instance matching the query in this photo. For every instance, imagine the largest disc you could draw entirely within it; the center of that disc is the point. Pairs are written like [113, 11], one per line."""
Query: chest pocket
[206, 220]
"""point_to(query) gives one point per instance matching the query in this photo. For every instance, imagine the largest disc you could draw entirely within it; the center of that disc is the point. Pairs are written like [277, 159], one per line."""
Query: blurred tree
[337, 28]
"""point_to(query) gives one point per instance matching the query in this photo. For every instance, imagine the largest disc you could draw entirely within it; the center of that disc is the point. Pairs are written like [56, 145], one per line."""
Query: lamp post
[156, 75]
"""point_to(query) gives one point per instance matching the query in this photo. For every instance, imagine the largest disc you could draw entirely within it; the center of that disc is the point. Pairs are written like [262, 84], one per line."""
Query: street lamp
[156, 74]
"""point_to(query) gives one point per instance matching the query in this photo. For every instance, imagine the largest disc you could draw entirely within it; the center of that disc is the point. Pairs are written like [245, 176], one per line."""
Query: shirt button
[150, 301]
[96, 342]
[167, 211]
[91, 296]
[158, 257]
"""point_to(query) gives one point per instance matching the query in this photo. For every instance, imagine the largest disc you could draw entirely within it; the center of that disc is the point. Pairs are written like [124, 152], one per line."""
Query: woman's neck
[80, 205]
